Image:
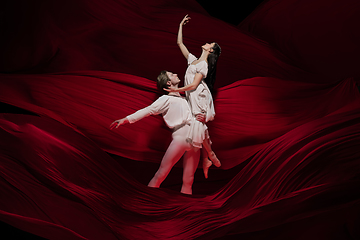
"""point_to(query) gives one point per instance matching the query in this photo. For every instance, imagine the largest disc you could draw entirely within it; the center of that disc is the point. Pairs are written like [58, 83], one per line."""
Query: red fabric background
[286, 129]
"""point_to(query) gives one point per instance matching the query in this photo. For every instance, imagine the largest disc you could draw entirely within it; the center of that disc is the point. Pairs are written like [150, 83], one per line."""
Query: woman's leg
[174, 152]
[191, 161]
[206, 162]
[207, 145]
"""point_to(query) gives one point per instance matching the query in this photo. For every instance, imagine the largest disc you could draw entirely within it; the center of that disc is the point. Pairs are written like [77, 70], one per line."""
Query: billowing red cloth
[249, 113]
[287, 124]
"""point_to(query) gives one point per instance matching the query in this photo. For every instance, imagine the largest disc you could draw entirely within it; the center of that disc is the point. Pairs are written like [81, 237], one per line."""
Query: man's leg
[191, 161]
[174, 152]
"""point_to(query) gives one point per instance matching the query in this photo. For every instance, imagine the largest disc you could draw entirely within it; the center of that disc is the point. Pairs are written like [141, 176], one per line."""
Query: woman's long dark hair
[212, 61]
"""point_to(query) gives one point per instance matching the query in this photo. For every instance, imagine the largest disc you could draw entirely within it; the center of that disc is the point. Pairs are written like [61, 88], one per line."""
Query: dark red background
[286, 129]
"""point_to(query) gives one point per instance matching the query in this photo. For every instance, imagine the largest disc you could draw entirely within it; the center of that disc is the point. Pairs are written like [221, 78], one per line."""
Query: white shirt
[175, 111]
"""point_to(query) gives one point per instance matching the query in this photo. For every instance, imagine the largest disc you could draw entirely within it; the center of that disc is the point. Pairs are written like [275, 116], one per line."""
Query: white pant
[174, 152]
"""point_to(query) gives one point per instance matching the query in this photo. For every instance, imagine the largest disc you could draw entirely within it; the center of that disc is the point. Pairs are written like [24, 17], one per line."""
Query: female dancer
[177, 116]
[199, 81]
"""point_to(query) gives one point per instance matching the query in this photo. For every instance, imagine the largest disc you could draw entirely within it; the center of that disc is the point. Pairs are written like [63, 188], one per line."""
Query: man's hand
[118, 123]
[200, 117]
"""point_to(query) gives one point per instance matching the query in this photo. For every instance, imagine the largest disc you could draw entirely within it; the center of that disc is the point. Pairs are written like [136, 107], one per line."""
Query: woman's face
[173, 78]
[208, 46]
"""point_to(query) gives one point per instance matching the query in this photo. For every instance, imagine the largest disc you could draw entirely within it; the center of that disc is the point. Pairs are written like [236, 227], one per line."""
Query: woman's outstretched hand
[170, 90]
[185, 20]
[118, 123]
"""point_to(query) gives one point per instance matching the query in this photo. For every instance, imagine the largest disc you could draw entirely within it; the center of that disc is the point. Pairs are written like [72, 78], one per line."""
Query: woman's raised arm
[180, 43]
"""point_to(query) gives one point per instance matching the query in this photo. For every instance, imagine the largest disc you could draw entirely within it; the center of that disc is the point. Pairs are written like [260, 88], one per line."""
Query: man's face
[174, 80]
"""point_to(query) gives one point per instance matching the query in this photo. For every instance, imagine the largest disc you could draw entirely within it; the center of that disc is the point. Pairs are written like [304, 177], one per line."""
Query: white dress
[200, 101]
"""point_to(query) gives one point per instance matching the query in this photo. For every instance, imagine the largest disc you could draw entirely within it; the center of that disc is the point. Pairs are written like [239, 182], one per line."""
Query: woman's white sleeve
[202, 68]
[191, 58]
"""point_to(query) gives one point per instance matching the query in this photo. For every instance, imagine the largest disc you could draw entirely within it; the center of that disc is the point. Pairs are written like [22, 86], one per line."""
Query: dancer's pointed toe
[214, 159]
[206, 165]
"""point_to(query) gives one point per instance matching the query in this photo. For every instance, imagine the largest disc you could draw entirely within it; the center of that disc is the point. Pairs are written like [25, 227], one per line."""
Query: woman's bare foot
[206, 165]
[214, 159]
